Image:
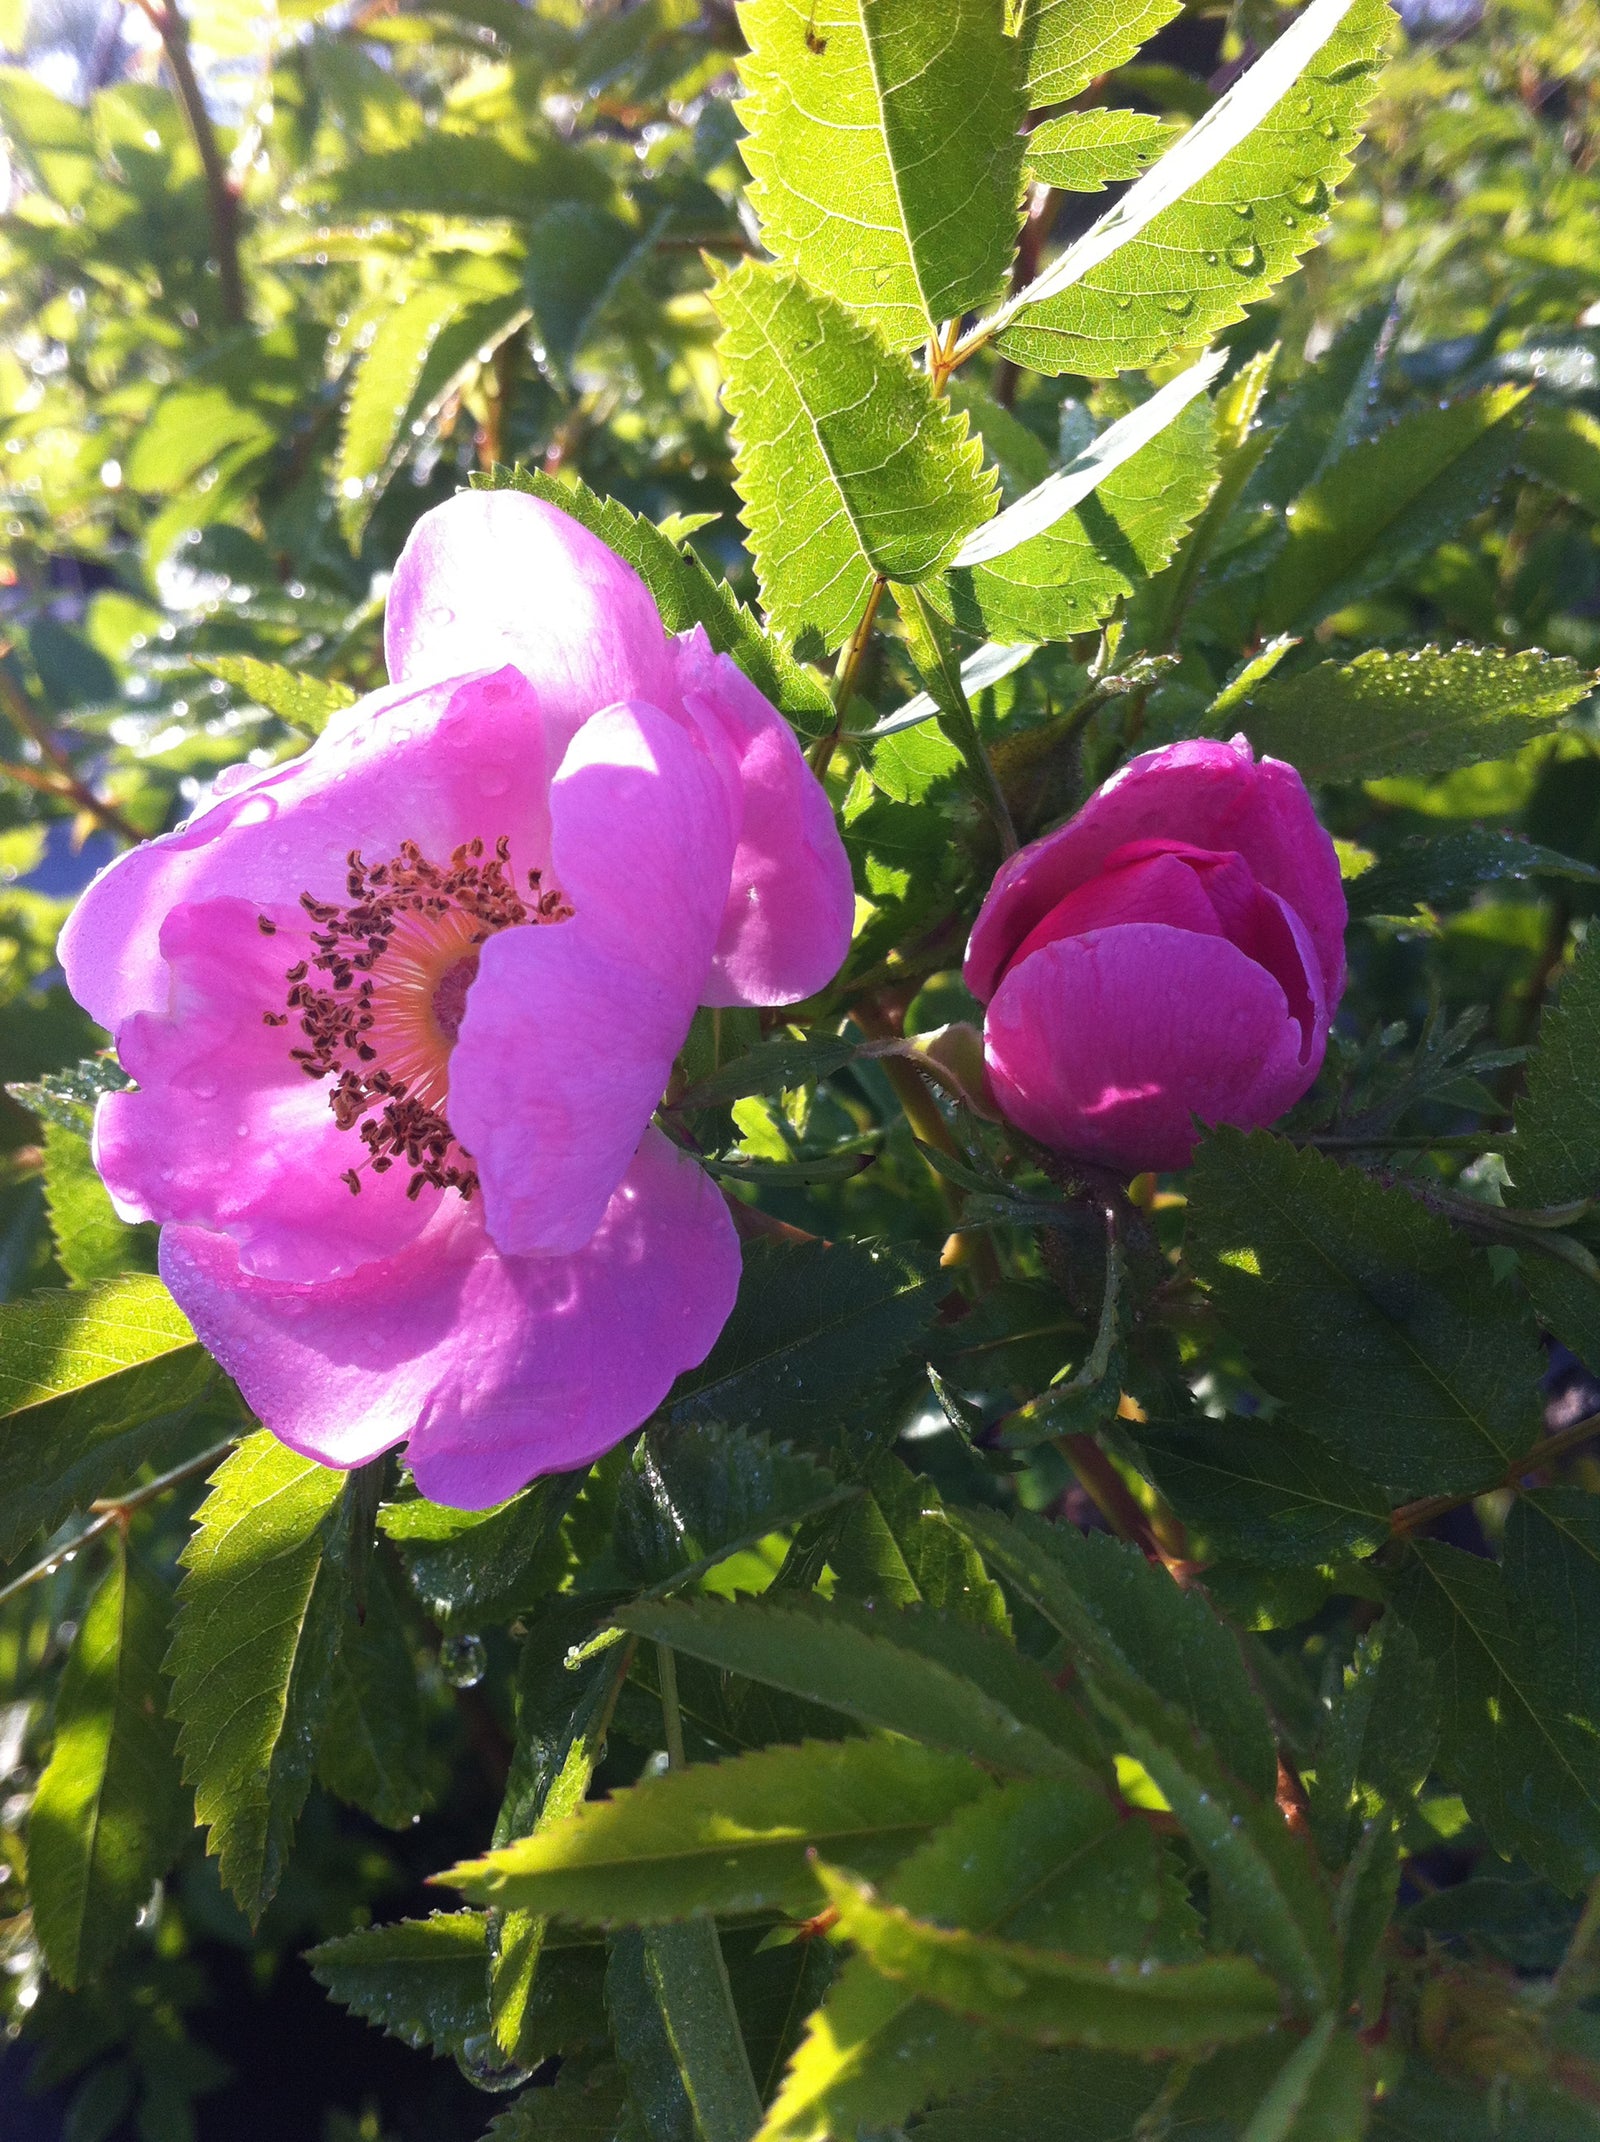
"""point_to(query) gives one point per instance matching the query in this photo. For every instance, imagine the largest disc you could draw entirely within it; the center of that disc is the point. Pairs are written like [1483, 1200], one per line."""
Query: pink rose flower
[400, 1012]
[1175, 951]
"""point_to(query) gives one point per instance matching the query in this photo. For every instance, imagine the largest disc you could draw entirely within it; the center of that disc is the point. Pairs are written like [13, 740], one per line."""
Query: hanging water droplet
[1178, 303]
[1211, 260]
[487, 2068]
[1122, 303]
[1308, 193]
[1246, 256]
[462, 1660]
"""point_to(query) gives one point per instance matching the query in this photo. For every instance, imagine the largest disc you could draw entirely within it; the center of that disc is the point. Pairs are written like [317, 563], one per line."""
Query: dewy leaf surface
[259, 1618]
[728, 1837]
[884, 149]
[1052, 1998]
[1525, 1767]
[849, 466]
[1385, 1334]
[93, 1383]
[109, 1813]
[1069, 42]
[1048, 1862]
[1387, 502]
[1093, 554]
[944, 1682]
[1426, 712]
[1222, 218]
[424, 1981]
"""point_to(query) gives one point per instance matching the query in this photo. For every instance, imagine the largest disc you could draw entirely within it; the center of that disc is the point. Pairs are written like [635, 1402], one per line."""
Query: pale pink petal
[498, 1369]
[438, 764]
[226, 1131]
[791, 906]
[497, 576]
[1105, 1045]
[1202, 793]
[571, 1030]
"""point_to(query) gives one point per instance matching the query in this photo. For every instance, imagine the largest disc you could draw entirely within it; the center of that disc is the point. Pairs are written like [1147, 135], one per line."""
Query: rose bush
[1175, 952]
[399, 1013]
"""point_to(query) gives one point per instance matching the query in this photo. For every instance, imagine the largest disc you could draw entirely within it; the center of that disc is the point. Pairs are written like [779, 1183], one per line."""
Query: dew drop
[462, 1660]
[1308, 193]
[486, 2067]
[1245, 256]
[1122, 303]
[1179, 303]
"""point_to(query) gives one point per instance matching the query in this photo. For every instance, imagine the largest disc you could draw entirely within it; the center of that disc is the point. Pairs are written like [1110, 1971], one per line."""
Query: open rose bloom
[400, 1012]
[1175, 951]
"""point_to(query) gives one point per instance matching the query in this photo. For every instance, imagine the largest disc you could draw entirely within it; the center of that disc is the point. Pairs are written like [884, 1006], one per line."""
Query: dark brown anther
[266, 926]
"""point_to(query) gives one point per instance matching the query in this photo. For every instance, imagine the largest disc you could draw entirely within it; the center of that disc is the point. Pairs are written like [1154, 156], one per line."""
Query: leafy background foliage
[1079, 1662]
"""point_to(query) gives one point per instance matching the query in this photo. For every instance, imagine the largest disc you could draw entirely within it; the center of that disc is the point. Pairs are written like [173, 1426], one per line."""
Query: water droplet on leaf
[486, 2067]
[462, 1660]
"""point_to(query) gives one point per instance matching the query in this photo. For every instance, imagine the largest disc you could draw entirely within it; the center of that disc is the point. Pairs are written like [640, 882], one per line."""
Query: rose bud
[1174, 952]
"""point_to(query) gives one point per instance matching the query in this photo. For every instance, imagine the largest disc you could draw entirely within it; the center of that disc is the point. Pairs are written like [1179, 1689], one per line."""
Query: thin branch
[116, 1510]
[849, 670]
[1412, 1516]
[222, 194]
[62, 781]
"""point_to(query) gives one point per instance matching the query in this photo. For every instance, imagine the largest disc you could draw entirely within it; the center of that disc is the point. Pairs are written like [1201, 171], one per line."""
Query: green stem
[1412, 1516]
[116, 1512]
[671, 1714]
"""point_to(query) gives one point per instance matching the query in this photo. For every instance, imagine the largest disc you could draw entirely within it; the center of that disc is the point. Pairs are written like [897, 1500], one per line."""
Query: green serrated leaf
[1388, 502]
[471, 1568]
[898, 1546]
[1219, 220]
[1386, 1336]
[1377, 1744]
[424, 1981]
[1552, 1573]
[563, 1710]
[940, 1681]
[688, 1975]
[91, 1243]
[1084, 152]
[1318, 2095]
[1071, 2096]
[814, 1326]
[849, 466]
[71, 1097]
[685, 593]
[1073, 574]
[1114, 1609]
[656, 2095]
[582, 2105]
[372, 1750]
[728, 1837]
[1445, 871]
[1266, 1492]
[842, 102]
[1523, 1765]
[259, 1619]
[1049, 1997]
[700, 1491]
[1264, 1883]
[109, 1814]
[93, 1384]
[307, 702]
[1047, 1863]
[420, 351]
[1558, 1115]
[1426, 712]
[1069, 42]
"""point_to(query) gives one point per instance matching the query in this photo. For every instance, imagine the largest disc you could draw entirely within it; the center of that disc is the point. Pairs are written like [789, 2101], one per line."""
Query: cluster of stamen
[398, 961]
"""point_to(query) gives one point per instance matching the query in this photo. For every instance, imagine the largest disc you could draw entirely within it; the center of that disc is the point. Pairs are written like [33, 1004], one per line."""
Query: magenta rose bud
[399, 1013]
[1175, 952]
